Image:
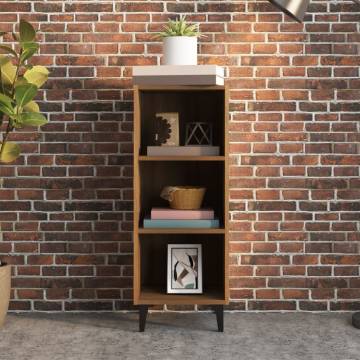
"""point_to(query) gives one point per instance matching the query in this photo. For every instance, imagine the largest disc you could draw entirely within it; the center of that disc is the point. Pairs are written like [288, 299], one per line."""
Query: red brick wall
[66, 206]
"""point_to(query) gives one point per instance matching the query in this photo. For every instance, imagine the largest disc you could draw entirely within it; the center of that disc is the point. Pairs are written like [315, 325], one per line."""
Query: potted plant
[19, 84]
[180, 42]
[5, 281]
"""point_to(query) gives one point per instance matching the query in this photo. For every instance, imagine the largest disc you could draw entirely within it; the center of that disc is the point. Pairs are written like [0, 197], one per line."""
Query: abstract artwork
[184, 275]
[166, 129]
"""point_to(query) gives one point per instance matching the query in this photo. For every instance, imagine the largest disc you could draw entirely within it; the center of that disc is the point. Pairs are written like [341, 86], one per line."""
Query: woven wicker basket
[184, 197]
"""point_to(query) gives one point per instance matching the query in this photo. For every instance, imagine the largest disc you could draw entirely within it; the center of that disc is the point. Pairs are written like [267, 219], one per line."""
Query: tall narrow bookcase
[152, 173]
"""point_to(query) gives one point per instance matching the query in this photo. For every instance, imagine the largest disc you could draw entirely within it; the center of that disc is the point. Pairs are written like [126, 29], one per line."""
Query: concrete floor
[107, 336]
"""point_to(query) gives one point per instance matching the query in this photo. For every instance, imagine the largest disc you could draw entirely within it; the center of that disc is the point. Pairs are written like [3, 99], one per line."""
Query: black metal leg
[219, 311]
[143, 311]
[356, 320]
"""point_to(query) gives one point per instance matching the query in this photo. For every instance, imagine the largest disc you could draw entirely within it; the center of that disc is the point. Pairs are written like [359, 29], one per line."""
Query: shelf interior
[153, 268]
[192, 105]
[154, 176]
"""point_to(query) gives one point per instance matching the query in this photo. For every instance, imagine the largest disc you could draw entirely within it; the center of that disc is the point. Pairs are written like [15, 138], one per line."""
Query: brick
[267, 294]
[271, 206]
[295, 294]
[313, 305]
[140, 7]
[271, 305]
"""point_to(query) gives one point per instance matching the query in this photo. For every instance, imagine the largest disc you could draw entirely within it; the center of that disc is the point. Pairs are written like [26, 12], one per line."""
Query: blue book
[150, 223]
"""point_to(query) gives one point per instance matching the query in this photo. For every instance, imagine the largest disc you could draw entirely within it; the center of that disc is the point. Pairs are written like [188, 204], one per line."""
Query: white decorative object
[178, 75]
[180, 50]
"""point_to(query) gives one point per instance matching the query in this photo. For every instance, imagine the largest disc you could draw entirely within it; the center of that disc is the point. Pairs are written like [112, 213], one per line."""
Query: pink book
[172, 214]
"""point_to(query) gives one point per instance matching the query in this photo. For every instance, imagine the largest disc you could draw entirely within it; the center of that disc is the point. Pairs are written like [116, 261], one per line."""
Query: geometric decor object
[198, 133]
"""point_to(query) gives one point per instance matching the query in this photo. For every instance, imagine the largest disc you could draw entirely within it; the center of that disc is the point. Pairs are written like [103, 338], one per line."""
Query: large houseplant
[19, 84]
[180, 42]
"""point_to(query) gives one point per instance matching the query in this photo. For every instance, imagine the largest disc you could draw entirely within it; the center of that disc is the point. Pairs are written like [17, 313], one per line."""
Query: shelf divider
[156, 296]
[181, 231]
[181, 158]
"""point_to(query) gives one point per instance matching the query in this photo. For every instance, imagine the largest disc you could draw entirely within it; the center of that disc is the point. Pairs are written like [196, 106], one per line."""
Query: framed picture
[167, 129]
[184, 269]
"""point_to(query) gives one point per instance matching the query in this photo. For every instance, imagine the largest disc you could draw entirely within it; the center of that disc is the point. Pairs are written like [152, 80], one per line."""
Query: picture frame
[167, 129]
[184, 269]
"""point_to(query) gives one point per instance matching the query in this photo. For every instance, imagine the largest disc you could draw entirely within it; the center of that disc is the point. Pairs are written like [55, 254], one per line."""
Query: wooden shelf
[155, 296]
[152, 173]
[181, 158]
[181, 231]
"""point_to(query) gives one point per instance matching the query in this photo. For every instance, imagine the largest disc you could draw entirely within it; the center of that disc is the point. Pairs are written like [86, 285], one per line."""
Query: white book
[178, 75]
[190, 150]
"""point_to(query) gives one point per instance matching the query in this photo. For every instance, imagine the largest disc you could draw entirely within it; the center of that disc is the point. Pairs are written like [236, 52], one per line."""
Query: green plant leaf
[27, 32]
[20, 81]
[24, 94]
[31, 119]
[179, 27]
[8, 50]
[37, 75]
[8, 73]
[32, 106]
[6, 100]
[3, 60]
[10, 152]
[6, 105]
[5, 110]
[29, 49]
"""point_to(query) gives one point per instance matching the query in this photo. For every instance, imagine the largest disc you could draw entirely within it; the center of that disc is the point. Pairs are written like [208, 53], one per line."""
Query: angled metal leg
[143, 311]
[356, 320]
[219, 311]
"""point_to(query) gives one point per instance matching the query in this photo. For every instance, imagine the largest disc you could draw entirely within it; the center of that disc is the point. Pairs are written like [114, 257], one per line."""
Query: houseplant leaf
[10, 152]
[29, 49]
[8, 73]
[8, 50]
[6, 100]
[24, 94]
[31, 119]
[37, 75]
[4, 60]
[32, 106]
[27, 32]
[20, 81]
[6, 105]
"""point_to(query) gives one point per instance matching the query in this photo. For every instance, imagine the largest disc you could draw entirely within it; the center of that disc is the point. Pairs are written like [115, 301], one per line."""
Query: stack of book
[170, 218]
[188, 150]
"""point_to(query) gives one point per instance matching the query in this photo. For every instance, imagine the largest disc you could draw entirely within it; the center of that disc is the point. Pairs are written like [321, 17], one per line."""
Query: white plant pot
[180, 50]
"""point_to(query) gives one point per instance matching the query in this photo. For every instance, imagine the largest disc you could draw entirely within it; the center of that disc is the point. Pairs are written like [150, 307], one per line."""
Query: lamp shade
[294, 8]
